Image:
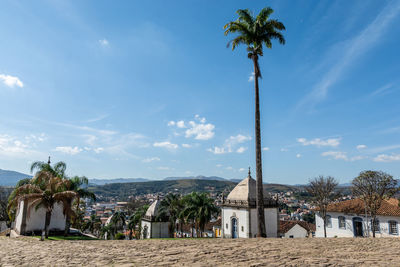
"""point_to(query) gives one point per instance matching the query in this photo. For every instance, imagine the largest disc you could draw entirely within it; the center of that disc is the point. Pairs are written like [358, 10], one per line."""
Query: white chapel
[239, 213]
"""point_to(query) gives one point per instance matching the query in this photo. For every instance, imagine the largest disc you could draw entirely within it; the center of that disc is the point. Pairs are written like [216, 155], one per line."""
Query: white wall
[35, 219]
[242, 216]
[296, 232]
[155, 229]
[249, 222]
[349, 232]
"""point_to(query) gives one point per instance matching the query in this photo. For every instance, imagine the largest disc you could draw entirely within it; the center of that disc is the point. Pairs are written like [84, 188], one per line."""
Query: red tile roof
[389, 207]
[285, 226]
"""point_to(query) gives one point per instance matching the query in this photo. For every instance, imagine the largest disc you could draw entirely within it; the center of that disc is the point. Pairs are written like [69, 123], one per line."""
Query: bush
[119, 236]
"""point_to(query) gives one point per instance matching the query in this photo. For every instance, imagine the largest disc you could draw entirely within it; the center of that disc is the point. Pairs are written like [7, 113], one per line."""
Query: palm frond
[264, 15]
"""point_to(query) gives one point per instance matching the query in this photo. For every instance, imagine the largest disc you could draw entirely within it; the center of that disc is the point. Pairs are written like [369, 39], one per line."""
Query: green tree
[106, 231]
[170, 207]
[79, 186]
[255, 32]
[200, 208]
[135, 221]
[93, 225]
[118, 220]
[373, 187]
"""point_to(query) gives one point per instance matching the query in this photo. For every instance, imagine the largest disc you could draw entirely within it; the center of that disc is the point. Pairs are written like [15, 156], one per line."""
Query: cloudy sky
[149, 89]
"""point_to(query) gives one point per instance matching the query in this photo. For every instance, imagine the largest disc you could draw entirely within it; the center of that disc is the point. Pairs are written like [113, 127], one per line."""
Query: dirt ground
[202, 252]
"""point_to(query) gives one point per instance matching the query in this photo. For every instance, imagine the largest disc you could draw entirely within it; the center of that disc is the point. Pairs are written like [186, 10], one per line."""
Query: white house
[28, 219]
[239, 213]
[349, 219]
[152, 228]
[296, 229]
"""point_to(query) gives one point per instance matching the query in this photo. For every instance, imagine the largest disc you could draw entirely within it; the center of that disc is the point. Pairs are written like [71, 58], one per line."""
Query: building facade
[29, 219]
[151, 227]
[296, 229]
[349, 219]
[239, 213]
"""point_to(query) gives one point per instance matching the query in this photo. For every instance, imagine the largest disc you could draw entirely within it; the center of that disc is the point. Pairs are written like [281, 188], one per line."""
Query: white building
[296, 229]
[239, 213]
[28, 219]
[152, 228]
[348, 219]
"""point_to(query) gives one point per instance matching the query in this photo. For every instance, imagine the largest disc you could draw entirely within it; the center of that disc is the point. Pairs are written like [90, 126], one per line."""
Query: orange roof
[285, 226]
[389, 207]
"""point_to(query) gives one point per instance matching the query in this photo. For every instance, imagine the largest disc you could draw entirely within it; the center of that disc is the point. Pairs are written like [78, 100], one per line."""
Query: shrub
[119, 236]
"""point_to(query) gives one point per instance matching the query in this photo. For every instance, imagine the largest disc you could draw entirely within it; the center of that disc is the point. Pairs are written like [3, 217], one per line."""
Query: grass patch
[72, 237]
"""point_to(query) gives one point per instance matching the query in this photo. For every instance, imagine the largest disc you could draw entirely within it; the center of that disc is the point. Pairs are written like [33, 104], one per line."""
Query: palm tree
[45, 190]
[58, 169]
[76, 184]
[170, 208]
[135, 220]
[255, 32]
[200, 208]
[106, 231]
[93, 225]
[118, 220]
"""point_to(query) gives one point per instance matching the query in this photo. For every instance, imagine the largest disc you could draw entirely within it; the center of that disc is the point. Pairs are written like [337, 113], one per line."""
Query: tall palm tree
[170, 208]
[58, 169]
[45, 190]
[255, 32]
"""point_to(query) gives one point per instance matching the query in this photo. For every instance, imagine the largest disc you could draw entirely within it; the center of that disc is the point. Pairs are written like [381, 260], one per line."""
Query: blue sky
[149, 89]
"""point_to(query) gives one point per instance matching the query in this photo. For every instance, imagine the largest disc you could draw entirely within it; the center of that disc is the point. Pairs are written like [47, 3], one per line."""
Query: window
[328, 221]
[342, 222]
[242, 228]
[393, 228]
[227, 226]
[375, 227]
[291, 236]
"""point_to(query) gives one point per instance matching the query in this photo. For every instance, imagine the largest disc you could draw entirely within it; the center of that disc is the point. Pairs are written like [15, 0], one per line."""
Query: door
[234, 228]
[358, 227]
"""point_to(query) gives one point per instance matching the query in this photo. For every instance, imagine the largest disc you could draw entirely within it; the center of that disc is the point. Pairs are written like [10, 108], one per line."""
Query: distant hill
[122, 191]
[200, 177]
[116, 180]
[10, 178]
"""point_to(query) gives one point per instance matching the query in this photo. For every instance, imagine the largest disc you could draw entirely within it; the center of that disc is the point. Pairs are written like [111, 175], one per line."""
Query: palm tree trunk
[260, 196]
[67, 225]
[47, 223]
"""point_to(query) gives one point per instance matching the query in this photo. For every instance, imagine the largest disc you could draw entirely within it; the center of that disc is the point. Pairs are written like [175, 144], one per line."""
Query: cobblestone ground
[202, 252]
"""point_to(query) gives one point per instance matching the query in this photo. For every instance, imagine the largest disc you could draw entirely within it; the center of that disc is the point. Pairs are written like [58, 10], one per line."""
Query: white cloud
[219, 165]
[251, 77]
[217, 150]
[148, 160]
[171, 123]
[242, 169]
[230, 145]
[11, 81]
[68, 150]
[348, 52]
[200, 119]
[341, 155]
[387, 158]
[241, 149]
[166, 144]
[265, 148]
[382, 90]
[229, 168]
[200, 131]
[186, 145]
[335, 155]
[298, 156]
[104, 42]
[332, 142]
[10, 144]
[283, 149]
[359, 147]
[180, 124]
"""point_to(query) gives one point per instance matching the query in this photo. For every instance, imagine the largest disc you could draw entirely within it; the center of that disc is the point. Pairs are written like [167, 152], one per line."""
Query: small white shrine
[239, 212]
[152, 228]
